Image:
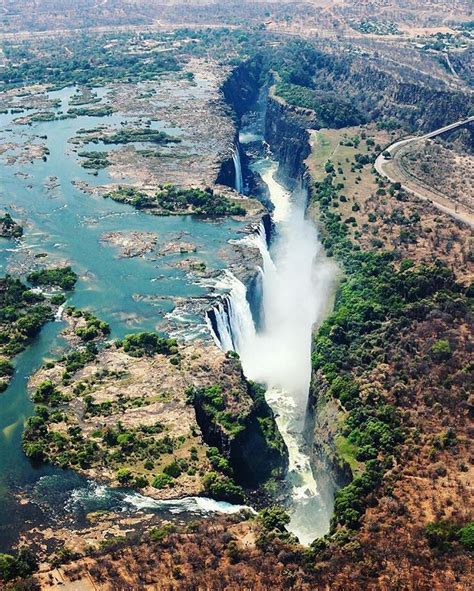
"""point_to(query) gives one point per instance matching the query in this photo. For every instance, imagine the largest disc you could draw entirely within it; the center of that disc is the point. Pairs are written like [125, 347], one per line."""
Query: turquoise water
[131, 294]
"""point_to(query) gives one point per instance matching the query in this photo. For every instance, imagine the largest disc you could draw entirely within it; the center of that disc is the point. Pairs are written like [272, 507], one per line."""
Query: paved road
[381, 161]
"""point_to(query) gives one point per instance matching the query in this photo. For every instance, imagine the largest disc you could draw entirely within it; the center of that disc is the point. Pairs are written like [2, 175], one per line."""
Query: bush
[173, 469]
[47, 393]
[6, 367]
[140, 481]
[58, 299]
[441, 534]
[171, 199]
[162, 481]
[158, 534]
[124, 475]
[22, 566]
[222, 488]
[147, 343]
[78, 359]
[332, 110]
[466, 536]
[274, 518]
[34, 451]
[441, 350]
[31, 322]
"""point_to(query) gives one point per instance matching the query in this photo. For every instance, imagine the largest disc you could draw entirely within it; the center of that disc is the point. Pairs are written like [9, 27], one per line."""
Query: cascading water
[239, 179]
[296, 280]
[234, 325]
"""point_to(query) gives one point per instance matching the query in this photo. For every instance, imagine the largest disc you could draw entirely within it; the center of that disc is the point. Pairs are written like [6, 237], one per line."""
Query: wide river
[132, 294]
[140, 293]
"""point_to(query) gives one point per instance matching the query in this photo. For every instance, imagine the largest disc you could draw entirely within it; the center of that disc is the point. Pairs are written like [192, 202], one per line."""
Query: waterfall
[239, 181]
[231, 321]
[295, 287]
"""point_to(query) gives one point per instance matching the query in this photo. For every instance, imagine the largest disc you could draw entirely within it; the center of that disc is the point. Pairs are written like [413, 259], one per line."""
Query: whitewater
[296, 280]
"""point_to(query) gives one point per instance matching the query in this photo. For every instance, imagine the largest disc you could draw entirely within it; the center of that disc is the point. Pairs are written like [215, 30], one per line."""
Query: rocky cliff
[240, 91]
[322, 430]
[241, 87]
[244, 431]
[286, 133]
[384, 89]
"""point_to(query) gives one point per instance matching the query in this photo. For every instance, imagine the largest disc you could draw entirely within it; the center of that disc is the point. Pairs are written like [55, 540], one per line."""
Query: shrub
[147, 343]
[31, 322]
[222, 488]
[6, 367]
[162, 481]
[441, 534]
[140, 481]
[47, 393]
[78, 359]
[34, 451]
[58, 299]
[274, 518]
[173, 469]
[466, 536]
[441, 350]
[158, 534]
[22, 565]
[124, 475]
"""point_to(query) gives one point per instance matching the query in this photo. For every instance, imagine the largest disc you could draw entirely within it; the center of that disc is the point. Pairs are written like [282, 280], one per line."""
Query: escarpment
[286, 133]
[241, 87]
[239, 90]
[323, 422]
[241, 426]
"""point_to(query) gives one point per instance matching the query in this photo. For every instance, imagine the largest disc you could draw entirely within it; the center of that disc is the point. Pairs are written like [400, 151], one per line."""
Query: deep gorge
[273, 334]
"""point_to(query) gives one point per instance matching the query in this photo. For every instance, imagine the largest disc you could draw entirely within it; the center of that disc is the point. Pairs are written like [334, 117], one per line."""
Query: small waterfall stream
[296, 280]
[239, 180]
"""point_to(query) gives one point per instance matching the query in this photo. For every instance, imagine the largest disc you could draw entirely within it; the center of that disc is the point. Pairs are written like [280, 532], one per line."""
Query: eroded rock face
[286, 132]
[323, 427]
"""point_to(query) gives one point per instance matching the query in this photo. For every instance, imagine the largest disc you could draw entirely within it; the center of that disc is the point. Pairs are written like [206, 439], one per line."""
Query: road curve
[381, 161]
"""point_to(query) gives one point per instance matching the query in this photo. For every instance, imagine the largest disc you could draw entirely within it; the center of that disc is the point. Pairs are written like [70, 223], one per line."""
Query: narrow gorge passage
[295, 286]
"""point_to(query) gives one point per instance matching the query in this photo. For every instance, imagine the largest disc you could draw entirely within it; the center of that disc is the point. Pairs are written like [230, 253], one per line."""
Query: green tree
[466, 536]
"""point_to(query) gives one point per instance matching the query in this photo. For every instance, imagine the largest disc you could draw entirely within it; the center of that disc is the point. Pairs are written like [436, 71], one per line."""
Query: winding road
[382, 161]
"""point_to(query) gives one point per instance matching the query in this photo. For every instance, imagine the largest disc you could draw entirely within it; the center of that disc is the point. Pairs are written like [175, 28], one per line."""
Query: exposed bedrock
[255, 449]
[286, 133]
[242, 86]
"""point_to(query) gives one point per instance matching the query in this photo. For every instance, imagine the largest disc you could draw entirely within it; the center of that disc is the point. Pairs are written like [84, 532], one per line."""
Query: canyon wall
[383, 89]
[286, 131]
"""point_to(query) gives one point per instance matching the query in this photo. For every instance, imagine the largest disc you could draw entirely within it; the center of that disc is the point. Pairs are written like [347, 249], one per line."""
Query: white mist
[296, 282]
